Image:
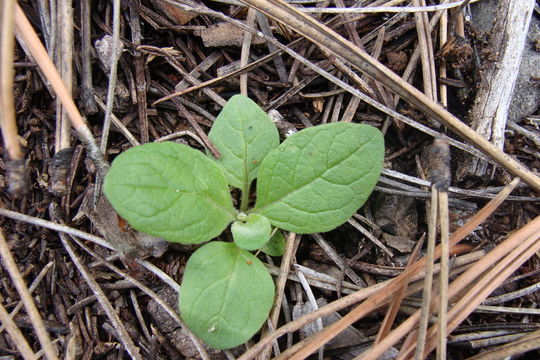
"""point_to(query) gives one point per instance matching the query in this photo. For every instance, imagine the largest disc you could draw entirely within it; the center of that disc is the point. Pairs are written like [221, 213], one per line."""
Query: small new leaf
[171, 191]
[252, 233]
[243, 133]
[317, 178]
[226, 294]
[276, 245]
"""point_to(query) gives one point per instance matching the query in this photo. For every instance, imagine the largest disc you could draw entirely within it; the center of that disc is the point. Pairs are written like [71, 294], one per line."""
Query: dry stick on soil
[340, 83]
[244, 54]
[428, 279]
[444, 274]
[527, 343]
[140, 77]
[413, 60]
[83, 235]
[126, 340]
[201, 67]
[61, 162]
[370, 237]
[512, 295]
[392, 311]
[443, 37]
[27, 33]
[426, 51]
[172, 313]
[440, 177]
[489, 111]
[116, 50]
[332, 41]
[482, 194]
[523, 239]
[385, 8]
[16, 171]
[286, 261]
[28, 301]
[234, 73]
[376, 291]
[500, 263]
[17, 337]
[86, 97]
[178, 67]
[343, 266]
[183, 111]
[116, 122]
[138, 314]
[264, 25]
[312, 301]
[465, 147]
[64, 17]
[31, 289]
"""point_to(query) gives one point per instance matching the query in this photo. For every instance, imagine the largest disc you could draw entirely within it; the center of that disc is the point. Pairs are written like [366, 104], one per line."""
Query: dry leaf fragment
[225, 34]
[173, 13]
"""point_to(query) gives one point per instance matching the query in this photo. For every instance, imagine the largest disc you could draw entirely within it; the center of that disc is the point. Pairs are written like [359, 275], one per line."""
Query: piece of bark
[129, 242]
[173, 13]
[59, 172]
[400, 243]
[225, 34]
[490, 108]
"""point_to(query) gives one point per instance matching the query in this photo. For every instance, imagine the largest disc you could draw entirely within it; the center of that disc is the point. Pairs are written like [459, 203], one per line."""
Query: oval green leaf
[171, 191]
[252, 233]
[276, 245]
[317, 178]
[243, 133]
[226, 294]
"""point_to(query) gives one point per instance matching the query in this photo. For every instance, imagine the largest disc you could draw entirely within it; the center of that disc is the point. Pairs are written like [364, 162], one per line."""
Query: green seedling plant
[311, 182]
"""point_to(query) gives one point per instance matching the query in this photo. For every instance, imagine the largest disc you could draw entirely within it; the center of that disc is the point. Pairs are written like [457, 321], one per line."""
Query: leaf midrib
[260, 209]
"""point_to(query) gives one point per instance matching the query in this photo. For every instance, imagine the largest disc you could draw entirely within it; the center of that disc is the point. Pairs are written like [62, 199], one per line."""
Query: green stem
[244, 199]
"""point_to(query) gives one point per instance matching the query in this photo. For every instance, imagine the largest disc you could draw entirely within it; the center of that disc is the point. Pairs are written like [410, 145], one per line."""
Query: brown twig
[525, 237]
[87, 101]
[15, 166]
[391, 314]
[124, 336]
[16, 335]
[64, 58]
[527, 343]
[375, 293]
[428, 279]
[31, 289]
[499, 264]
[25, 30]
[28, 301]
[351, 89]
[246, 46]
[290, 249]
[426, 51]
[116, 49]
[440, 177]
[332, 41]
[140, 77]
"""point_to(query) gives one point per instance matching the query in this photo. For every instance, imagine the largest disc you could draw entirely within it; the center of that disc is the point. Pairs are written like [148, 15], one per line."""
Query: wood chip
[225, 34]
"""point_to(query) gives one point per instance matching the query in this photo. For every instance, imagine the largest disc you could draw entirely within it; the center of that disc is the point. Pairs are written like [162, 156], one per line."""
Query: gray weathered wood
[490, 109]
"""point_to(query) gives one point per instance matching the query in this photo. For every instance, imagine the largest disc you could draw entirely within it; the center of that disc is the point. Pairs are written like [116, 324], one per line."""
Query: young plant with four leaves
[312, 182]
